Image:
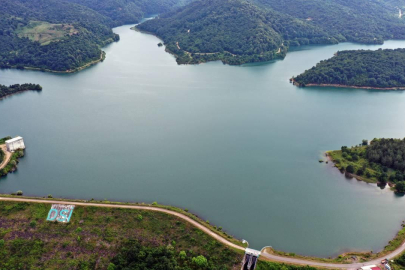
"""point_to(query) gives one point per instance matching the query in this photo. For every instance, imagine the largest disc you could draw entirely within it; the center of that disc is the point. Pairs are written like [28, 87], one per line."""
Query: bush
[200, 261]
[19, 193]
[50, 196]
[154, 203]
[111, 266]
[182, 255]
[350, 169]
[140, 217]
[33, 224]
[360, 172]
[400, 187]
[1, 243]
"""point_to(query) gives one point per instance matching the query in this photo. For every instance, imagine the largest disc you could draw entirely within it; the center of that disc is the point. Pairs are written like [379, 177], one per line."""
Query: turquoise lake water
[237, 145]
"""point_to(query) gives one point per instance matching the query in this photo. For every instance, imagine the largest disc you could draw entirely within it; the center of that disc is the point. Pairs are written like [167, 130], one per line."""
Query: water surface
[237, 145]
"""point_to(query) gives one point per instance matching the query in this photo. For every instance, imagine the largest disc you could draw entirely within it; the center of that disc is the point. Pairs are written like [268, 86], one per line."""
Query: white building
[15, 144]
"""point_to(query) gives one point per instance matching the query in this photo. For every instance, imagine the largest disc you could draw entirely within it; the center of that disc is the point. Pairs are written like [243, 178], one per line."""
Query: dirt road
[7, 156]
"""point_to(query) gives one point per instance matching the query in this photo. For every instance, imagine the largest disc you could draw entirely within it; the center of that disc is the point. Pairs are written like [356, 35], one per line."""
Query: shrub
[200, 261]
[111, 266]
[140, 217]
[19, 193]
[350, 169]
[400, 187]
[33, 224]
[1, 243]
[364, 142]
[154, 203]
[182, 255]
[50, 196]
[360, 172]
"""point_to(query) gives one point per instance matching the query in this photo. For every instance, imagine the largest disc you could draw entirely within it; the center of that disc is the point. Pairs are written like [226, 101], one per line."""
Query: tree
[200, 261]
[400, 187]
[350, 169]
[365, 142]
[182, 255]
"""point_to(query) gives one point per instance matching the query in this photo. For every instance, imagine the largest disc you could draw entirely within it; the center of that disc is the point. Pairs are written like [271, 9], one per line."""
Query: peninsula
[382, 161]
[381, 69]
[18, 88]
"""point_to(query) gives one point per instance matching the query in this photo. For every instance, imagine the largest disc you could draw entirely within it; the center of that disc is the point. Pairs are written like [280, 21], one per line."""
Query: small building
[15, 144]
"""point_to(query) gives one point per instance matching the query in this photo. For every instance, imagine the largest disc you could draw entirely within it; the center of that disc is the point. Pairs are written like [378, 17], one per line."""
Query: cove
[237, 145]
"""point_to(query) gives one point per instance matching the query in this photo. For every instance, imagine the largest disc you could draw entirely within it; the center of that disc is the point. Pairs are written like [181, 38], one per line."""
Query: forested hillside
[237, 31]
[234, 31]
[64, 35]
[352, 20]
[129, 11]
[67, 51]
[362, 68]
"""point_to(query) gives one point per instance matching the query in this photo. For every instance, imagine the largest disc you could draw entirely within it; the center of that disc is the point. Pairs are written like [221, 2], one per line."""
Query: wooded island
[381, 69]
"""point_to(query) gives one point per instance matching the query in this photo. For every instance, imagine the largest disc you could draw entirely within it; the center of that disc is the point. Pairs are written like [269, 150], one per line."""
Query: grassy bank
[353, 257]
[362, 169]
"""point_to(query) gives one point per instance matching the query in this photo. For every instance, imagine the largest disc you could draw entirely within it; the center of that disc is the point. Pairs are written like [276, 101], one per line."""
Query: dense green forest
[383, 160]
[15, 88]
[237, 31]
[65, 35]
[234, 31]
[362, 68]
[129, 11]
[352, 20]
[66, 53]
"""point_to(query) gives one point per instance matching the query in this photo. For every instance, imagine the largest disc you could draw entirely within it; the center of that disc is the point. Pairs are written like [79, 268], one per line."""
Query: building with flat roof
[15, 144]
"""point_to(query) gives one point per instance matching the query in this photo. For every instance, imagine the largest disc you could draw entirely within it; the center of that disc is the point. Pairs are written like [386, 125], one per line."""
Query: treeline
[362, 68]
[361, 21]
[129, 11]
[237, 31]
[15, 88]
[389, 153]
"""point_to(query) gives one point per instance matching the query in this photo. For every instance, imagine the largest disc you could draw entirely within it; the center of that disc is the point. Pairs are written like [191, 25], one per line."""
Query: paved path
[7, 156]
[221, 239]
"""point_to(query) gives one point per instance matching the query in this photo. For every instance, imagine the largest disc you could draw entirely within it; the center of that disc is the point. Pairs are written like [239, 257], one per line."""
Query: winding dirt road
[6, 158]
[219, 238]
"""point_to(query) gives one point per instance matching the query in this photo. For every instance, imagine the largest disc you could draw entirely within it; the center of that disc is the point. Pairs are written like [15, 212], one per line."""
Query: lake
[237, 145]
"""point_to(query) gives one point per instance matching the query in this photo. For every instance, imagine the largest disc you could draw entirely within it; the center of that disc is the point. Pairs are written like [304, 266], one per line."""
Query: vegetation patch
[45, 32]
[98, 238]
[383, 161]
[381, 69]
[16, 88]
